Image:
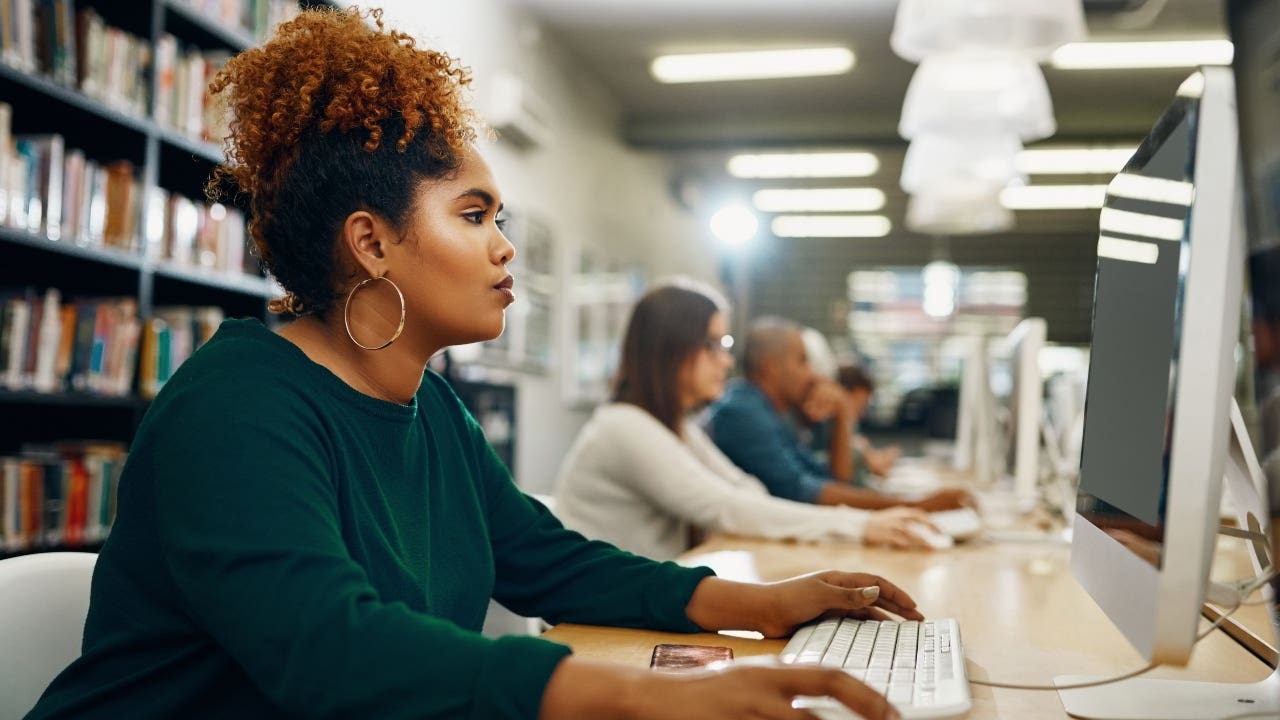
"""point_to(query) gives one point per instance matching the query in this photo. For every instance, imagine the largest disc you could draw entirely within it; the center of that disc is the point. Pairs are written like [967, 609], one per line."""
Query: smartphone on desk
[669, 657]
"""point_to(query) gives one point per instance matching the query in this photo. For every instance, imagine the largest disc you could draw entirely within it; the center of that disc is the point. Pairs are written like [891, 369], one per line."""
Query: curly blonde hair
[332, 115]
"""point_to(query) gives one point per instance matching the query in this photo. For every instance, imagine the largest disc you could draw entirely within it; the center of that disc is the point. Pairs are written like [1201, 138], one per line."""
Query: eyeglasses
[724, 343]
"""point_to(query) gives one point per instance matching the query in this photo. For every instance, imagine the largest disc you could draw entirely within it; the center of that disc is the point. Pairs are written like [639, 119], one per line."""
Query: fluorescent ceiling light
[1132, 223]
[1128, 250]
[1073, 161]
[1172, 54]
[752, 65]
[1053, 197]
[818, 199]
[1161, 190]
[793, 165]
[831, 226]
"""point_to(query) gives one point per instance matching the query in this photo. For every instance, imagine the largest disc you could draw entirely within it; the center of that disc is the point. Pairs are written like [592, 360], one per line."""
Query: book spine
[45, 379]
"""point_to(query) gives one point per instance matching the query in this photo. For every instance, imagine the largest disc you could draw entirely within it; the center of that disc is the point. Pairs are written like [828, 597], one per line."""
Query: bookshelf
[121, 250]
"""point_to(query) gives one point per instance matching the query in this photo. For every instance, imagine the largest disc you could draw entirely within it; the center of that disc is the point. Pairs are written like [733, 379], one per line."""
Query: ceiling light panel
[831, 226]
[1113, 55]
[799, 165]
[752, 65]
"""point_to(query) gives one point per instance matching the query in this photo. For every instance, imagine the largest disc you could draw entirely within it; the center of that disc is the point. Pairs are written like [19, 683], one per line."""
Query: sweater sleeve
[757, 446]
[545, 570]
[668, 472]
[250, 531]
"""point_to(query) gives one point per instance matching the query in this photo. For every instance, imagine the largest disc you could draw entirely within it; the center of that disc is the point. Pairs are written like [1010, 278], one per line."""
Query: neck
[392, 374]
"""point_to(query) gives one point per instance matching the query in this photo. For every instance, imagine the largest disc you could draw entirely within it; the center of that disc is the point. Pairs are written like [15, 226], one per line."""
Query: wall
[584, 184]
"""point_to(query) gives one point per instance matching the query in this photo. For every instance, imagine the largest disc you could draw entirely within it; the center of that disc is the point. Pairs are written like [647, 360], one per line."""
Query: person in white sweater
[643, 476]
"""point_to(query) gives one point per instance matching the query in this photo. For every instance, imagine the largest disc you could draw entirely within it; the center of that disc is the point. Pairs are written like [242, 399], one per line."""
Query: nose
[504, 251]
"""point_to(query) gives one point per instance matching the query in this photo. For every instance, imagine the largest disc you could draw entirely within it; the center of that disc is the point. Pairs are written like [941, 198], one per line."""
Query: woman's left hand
[792, 603]
[777, 609]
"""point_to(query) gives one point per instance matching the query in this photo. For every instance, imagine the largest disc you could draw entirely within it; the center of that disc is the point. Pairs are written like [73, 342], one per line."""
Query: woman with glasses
[642, 474]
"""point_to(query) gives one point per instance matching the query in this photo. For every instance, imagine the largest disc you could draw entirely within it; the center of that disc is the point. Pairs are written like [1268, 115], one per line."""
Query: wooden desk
[1022, 615]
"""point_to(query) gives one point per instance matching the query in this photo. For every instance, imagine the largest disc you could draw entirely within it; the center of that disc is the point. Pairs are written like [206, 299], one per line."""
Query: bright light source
[941, 280]
[752, 65]
[1173, 54]
[831, 226]
[726, 342]
[1073, 161]
[734, 225]
[1133, 223]
[1053, 197]
[818, 199]
[793, 165]
[1128, 250]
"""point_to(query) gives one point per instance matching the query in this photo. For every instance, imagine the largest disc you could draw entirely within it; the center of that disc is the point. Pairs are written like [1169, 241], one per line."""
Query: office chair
[44, 599]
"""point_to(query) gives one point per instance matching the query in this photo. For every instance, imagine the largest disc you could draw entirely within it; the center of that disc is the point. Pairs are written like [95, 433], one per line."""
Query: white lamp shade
[958, 208]
[970, 92]
[1033, 28]
[936, 158]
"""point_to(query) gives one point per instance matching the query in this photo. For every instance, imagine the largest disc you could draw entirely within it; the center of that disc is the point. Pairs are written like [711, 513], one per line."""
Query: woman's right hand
[753, 689]
[895, 528]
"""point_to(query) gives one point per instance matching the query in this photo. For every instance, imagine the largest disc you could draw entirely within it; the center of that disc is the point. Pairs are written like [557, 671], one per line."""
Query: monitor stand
[1146, 699]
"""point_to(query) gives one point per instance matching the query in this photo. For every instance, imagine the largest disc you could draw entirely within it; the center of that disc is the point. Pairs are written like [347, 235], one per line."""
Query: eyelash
[477, 218]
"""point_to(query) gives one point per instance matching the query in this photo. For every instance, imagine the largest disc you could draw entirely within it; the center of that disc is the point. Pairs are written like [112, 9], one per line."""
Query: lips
[504, 287]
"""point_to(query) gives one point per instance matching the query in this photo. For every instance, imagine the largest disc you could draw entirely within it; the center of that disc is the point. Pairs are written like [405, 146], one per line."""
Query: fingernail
[871, 593]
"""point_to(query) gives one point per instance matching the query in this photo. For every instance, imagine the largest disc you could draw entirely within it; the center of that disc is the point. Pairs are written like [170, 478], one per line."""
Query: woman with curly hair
[309, 523]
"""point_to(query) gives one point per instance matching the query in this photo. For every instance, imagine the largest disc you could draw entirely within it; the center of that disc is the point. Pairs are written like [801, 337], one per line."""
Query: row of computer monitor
[1156, 435]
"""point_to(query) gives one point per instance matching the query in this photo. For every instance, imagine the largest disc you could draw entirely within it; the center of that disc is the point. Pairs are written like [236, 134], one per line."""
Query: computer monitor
[1023, 430]
[975, 448]
[1167, 306]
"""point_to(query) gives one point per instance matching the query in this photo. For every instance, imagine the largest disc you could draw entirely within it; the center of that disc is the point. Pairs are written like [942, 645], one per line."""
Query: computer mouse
[933, 538]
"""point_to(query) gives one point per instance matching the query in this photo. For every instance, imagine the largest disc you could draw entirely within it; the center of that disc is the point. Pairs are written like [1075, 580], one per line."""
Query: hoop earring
[346, 313]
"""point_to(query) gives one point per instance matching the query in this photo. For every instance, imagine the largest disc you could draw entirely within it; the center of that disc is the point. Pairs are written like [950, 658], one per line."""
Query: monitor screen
[1143, 256]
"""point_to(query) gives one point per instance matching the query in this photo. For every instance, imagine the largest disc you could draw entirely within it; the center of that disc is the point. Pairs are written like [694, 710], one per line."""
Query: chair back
[44, 599]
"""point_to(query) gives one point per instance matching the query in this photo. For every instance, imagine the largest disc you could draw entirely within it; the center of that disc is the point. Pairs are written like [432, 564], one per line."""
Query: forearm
[580, 688]
[719, 604]
[837, 494]
[840, 450]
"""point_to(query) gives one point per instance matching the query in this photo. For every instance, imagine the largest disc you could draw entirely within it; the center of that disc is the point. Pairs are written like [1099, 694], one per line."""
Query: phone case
[669, 657]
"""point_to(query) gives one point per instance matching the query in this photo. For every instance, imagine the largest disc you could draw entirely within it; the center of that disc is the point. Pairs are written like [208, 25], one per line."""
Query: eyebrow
[483, 195]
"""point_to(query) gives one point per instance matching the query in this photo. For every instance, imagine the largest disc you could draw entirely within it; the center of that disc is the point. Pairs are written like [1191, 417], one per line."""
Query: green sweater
[287, 546]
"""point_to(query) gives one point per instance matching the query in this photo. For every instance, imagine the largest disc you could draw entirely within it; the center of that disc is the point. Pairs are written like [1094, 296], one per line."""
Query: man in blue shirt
[749, 424]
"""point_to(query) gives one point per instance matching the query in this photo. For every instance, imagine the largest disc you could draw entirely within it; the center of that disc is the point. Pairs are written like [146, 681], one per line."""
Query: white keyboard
[919, 666]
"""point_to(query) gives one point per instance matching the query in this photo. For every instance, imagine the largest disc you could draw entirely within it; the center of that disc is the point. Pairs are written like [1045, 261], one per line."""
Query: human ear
[364, 237]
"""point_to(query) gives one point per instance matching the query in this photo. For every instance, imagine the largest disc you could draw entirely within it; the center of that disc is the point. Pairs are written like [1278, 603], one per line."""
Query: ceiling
[700, 124]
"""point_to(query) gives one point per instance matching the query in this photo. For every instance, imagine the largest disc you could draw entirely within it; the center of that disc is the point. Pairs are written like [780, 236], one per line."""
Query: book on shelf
[113, 66]
[169, 337]
[59, 495]
[55, 42]
[255, 17]
[86, 345]
[182, 102]
[188, 233]
[43, 161]
[55, 191]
